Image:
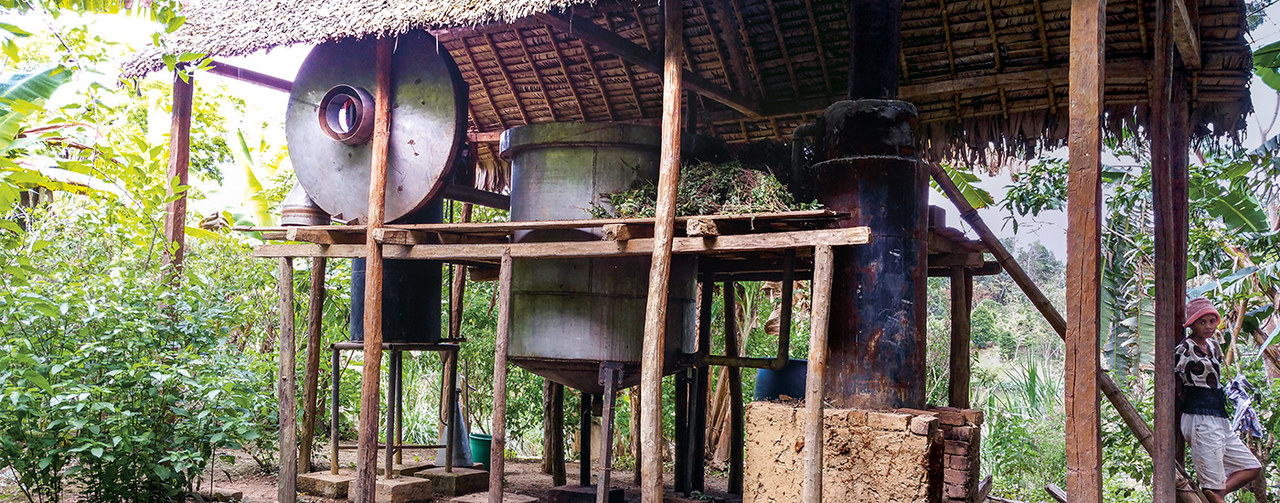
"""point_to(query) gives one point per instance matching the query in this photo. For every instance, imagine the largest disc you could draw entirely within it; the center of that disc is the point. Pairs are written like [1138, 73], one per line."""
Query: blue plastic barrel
[772, 384]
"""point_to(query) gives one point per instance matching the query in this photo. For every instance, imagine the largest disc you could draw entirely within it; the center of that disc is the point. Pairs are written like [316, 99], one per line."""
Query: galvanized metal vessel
[570, 315]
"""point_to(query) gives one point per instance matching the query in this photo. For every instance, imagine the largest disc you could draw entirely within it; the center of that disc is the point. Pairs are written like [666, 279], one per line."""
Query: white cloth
[1215, 449]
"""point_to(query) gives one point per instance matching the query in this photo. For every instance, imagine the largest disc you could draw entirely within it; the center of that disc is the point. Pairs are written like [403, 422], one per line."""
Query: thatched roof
[981, 72]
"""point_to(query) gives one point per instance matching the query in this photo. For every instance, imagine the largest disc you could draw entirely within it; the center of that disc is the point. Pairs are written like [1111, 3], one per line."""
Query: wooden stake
[958, 390]
[823, 270]
[499, 446]
[311, 378]
[1084, 205]
[660, 268]
[175, 212]
[371, 373]
[286, 389]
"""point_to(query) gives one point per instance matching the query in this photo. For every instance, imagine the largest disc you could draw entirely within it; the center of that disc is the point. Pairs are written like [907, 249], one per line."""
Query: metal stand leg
[389, 455]
[584, 439]
[399, 357]
[336, 378]
[610, 377]
[452, 403]
[681, 483]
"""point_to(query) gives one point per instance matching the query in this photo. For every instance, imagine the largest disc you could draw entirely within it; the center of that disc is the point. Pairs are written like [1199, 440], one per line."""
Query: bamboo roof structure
[987, 76]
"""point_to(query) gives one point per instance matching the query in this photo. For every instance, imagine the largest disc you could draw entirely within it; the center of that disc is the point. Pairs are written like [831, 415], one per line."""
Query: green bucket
[480, 444]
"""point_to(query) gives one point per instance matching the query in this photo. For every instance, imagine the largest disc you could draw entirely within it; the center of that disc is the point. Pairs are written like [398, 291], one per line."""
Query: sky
[268, 106]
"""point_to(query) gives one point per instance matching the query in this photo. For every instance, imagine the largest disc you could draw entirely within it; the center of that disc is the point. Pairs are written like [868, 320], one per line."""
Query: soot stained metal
[571, 315]
[871, 171]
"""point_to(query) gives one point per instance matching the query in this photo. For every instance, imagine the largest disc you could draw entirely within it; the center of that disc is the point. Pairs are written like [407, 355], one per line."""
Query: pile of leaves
[706, 189]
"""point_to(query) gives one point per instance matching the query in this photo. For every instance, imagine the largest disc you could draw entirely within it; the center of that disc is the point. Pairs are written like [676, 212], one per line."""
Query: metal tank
[410, 292]
[570, 315]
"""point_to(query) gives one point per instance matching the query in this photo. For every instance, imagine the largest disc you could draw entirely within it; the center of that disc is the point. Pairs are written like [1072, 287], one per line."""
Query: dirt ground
[522, 476]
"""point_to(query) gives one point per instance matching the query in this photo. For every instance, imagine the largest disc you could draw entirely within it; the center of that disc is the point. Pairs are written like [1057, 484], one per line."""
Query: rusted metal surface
[573, 314]
[873, 49]
[429, 118]
[877, 341]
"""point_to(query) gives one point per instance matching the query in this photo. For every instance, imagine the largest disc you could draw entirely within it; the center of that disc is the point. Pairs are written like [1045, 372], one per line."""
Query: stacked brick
[962, 449]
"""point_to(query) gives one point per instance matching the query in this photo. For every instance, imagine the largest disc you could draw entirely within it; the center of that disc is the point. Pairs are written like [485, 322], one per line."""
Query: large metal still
[571, 315]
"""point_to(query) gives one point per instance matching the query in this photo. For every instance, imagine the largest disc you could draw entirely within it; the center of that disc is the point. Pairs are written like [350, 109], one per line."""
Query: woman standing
[1223, 463]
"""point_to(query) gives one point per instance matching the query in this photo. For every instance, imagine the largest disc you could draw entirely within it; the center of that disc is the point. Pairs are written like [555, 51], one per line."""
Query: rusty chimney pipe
[878, 315]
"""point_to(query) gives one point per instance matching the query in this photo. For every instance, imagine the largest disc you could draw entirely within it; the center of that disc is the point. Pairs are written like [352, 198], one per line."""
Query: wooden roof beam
[590, 32]
[1185, 35]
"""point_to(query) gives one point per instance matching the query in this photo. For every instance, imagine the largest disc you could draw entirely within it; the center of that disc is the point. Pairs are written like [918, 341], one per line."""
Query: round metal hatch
[331, 112]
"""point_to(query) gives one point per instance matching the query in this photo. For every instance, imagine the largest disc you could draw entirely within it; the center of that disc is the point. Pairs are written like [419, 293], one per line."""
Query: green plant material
[22, 95]
[705, 189]
[964, 180]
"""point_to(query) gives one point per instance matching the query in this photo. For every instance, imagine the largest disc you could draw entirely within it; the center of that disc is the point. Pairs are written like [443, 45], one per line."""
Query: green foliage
[705, 189]
[983, 329]
[964, 180]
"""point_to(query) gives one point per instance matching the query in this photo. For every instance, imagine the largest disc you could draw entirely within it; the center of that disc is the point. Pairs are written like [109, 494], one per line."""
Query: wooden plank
[1084, 206]
[234, 72]
[661, 247]
[815, 381]
[588, 31]
[624, 232]
[321, 235]
[1056, 492]
[286, 388]
[1167, 333]
[311, 377]
[701, 227]
[984, 490]
[371, 372]
[1185, 33]
[956, 260]
[961, 305]
[503, 337]
[583, 249]
[756, 220]
[175, 212]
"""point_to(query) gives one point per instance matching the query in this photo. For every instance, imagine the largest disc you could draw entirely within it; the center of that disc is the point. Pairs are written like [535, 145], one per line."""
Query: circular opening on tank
[346, 115]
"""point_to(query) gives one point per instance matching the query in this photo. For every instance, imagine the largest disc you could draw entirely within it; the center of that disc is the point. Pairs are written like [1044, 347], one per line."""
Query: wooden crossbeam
[583, 249]
[592, 33]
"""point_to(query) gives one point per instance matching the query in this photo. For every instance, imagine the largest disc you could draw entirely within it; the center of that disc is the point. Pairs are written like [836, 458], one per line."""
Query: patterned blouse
[1200, 371]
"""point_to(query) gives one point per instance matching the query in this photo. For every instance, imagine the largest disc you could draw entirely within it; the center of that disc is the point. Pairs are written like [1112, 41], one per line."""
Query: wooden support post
[732, 346]
[1179, 149]
[553, 431]
[371, 373]
[175, 212]
[286, 389]
[823, 270]
[1170, 290]
[660, 266]
[961, 304]
[1084, 206]
[311, 378]
[499, 447]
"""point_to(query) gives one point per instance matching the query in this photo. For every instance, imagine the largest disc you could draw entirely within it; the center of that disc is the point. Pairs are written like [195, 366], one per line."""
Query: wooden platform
[740, 247]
